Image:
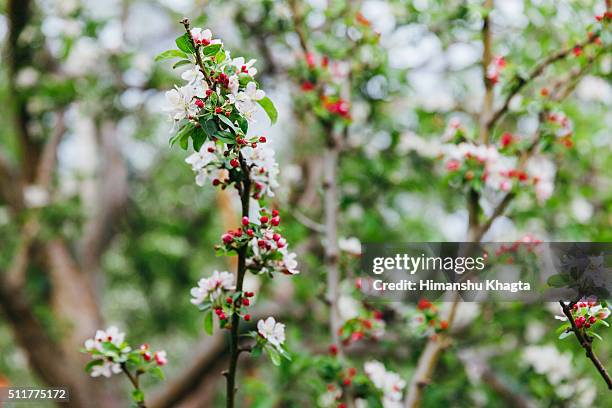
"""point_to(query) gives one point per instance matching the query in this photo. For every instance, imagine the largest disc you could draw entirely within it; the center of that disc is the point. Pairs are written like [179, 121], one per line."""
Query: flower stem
[135, 383]
[245, 189]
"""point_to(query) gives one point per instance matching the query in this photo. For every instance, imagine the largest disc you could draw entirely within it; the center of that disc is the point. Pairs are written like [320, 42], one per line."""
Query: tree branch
[586, 343]
[487, 57]
[535, 72]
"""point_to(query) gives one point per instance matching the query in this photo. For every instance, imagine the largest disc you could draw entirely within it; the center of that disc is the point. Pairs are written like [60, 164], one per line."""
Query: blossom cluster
[425, 319]
[358, 322]
[213, 110]
[267, 249]
[485, 165]
[587, 315]
[390, 383]
[111, 354]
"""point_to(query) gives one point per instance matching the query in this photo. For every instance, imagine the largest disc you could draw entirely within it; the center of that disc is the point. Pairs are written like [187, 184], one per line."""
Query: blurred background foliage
[89, 65]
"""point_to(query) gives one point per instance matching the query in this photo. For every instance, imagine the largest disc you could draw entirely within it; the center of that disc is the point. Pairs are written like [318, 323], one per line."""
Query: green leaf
[92, 364]
[210, 127]
[211, 49]
[558, 281]
[593, 334]
[565, 334]
[184, 44]
[198, 138]
[208, 323]
[256, 351]
[169, 54]
[228, 122]
[243, 123]
[603, 322]
[274, 356]
[180, 63]
[225, 137]
[182, 137]
[220, 56]
[268, 106]
[138, 395]
[157, 373]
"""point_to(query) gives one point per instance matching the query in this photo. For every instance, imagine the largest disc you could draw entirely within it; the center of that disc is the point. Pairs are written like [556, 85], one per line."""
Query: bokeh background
[101, 222]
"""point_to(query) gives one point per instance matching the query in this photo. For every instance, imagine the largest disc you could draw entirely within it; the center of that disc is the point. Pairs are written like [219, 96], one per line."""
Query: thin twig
[586, 343]
[535, 72]
[135, 383]
[308, 222]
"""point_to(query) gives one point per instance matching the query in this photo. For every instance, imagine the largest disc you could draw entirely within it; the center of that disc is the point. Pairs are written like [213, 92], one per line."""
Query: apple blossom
[213, 287]
[390, 383]
[246, 68]
[272, 331]
[111, 354]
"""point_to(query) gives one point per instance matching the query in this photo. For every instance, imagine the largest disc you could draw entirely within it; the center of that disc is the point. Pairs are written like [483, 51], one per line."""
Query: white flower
[245, 101]
[289, 262]
[243, 67]
[160, 357]
[106, 369]
[348, 308]
[272, 331]
[203, 37]
[193, 75]
[233, 84]
[212, 287]
[112, 335]
[35, 196]
[253, 93]
[330, 398]
[390, 383]
[547, 360]
[542, 170]
[181, 102]
[264, 168]
[200, 162]
[351, 245]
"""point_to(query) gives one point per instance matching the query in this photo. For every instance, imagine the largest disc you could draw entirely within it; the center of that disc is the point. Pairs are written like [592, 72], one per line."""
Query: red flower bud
[229, 300]
[250, 232]
[216, 182]
[263, 219]
[218, 110]
[247, 317]
[199, 103]
[227, 238]
[245, 221]
[346, 382]
[275, 213]
[262, 139]
[234, 163]
[246, 302]
[275, 221]
[333, 349]
[209, 92]
[506, 139]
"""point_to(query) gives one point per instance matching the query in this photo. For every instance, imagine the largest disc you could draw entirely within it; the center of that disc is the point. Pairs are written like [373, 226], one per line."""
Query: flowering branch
[111, 354]
[521, 82]
[213, 111]
[585, 342]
